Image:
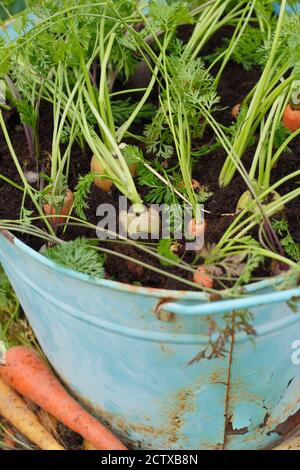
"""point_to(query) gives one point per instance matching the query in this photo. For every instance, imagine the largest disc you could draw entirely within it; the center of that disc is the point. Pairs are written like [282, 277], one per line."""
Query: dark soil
[69, 439]
[235, 85]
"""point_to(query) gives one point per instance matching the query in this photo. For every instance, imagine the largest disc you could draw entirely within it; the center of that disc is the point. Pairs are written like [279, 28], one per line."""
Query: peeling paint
[170, 433]
[230, 431]
[264, 424]
[290, 424]
[180, 405]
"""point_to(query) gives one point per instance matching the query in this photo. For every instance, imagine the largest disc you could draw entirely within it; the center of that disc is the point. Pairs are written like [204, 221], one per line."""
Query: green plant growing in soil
[263, 159]
[185, 82]
[180, 113]
[28, 109]
[27, 189]
[89, 52]
[56, 197]
[291, 248]
[78, 255]
[236, 244]
[259, 101]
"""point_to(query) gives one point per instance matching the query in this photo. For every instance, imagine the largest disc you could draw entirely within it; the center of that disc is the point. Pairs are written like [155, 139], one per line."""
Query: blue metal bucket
[124, 351]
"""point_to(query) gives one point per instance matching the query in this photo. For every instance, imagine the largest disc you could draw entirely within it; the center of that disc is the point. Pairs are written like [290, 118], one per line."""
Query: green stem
[242, 139]
[27, 187]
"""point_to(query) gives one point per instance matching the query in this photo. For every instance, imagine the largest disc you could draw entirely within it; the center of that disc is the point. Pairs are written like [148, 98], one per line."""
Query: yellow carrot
[15, 411]
[88, 446]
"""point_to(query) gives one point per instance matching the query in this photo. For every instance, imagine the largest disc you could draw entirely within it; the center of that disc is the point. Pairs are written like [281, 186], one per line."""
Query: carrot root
[291, 118]
[203, 278]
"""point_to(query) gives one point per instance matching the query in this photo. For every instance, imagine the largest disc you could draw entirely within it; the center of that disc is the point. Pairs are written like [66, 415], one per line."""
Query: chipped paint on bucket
[129, 364]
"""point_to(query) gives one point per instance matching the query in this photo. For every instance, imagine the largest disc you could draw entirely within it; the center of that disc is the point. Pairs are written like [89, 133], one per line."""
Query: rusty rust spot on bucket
[265, 421]
[161, 314]
[8, 236]
[289, 425]
[166, 349]
[124, 428]
[230, 431]
[215, 297]
[181, 404]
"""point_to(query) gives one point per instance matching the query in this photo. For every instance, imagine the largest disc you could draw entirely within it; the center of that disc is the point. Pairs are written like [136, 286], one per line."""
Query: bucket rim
[116, 285]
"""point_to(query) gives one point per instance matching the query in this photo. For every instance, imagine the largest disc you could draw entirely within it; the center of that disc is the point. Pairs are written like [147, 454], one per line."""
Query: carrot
[196, 184]
[202, 278]
[28, 374]
[64, 211]
[291, 118]
[104, 184]
[14, 410]
[197, 228]
[235, 110]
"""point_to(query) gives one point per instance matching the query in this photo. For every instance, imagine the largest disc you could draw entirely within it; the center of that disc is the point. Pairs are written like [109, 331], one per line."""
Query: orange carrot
[64, 211]
[235, 110]
[291, 118]
[196, 185]
[104, 184]
[28, 374]
[197, 228]
[202, 278]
